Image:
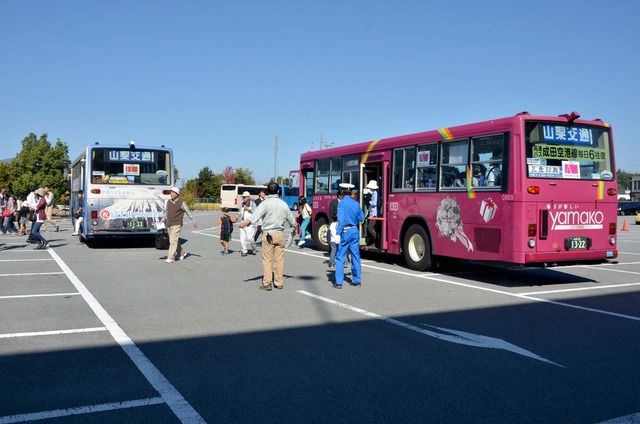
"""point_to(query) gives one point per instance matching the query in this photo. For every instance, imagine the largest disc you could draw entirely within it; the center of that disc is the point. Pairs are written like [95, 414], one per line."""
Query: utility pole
[275, 160]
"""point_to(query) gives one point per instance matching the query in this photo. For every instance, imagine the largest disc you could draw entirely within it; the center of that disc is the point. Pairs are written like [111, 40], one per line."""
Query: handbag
[162, 240]
[6, 213]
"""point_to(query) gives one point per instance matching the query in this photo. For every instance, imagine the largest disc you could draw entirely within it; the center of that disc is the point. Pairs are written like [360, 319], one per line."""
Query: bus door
[373, 231]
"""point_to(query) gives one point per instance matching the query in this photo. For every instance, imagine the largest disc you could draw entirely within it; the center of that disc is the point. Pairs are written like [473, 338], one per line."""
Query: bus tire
[417, 249]
[320, 234]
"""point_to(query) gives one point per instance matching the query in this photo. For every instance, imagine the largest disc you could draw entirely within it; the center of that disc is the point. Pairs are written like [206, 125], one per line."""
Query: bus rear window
[126, 166]
[563, 151]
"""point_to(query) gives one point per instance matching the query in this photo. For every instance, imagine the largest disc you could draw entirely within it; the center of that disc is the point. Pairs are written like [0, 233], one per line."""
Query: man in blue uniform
[350, 215]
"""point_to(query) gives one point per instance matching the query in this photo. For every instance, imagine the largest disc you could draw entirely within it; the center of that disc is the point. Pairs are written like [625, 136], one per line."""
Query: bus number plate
[133, 223]
[576, 243]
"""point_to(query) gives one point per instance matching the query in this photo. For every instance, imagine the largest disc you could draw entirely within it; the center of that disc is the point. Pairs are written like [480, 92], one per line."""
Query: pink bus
[524, 190]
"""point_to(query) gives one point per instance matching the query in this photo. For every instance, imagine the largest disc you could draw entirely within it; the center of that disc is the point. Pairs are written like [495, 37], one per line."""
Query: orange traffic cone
[624, 225]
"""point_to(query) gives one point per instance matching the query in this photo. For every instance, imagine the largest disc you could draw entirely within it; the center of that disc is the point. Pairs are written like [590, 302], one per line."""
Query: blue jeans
[303, 227]
[349, 242]
[36, 232]
[8, 225]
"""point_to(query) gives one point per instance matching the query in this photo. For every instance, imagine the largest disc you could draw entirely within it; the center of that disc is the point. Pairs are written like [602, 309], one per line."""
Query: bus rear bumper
[570, 256]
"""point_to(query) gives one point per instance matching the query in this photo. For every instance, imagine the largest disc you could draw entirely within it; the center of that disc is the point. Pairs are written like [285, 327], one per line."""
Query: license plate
[577, 243]
[133, 223]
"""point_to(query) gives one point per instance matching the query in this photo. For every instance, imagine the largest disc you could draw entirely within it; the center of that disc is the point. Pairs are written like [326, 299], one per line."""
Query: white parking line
[19, 296]
[29, 274]
[79, 410]
[52, 333]
[178, 404]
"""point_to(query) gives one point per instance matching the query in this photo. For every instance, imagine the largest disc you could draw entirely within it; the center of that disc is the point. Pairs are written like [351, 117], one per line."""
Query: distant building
[635, 187]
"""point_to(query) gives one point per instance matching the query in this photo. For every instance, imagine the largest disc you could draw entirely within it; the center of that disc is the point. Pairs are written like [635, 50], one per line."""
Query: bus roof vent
[97, 143]
[524, 112]
[598, 120]
[570, 117]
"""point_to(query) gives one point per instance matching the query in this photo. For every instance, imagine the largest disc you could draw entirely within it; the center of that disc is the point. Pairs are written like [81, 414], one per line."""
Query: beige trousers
[174, 241]
[273, 252]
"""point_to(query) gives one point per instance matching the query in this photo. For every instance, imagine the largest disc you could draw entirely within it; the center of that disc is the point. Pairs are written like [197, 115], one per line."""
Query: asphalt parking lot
[111, 333]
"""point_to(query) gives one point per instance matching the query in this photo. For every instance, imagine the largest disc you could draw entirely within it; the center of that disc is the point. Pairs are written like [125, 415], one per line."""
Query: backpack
[227, 225]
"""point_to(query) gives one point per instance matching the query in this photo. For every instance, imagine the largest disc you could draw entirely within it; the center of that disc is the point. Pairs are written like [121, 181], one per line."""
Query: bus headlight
[612, 241]
[531, 243]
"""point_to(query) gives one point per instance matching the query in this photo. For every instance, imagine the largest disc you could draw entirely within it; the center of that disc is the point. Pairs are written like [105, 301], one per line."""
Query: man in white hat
[174, 211]
[246, 234]
[374, 203]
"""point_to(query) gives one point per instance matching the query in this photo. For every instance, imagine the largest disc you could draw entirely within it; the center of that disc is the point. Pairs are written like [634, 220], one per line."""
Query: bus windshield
[565, 151]
[126, 166]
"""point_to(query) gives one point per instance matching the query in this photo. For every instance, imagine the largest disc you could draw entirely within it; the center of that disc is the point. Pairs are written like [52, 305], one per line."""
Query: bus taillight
[167, 192]
[95, 191]
[533, 190]
[612, 191]
[94, 214]
[612, 228]
[532, 230]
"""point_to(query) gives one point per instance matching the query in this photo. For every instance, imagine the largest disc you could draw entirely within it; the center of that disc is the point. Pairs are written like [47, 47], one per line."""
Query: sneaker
[170, 261]
[184, 255]
[265, 288]
[337, 286]
[45, 244]
[308, 236]
[278, 287]
[301, 242]
[74, 234]
[57, 229]
[225, 252]
[254, 251]
[243, 254]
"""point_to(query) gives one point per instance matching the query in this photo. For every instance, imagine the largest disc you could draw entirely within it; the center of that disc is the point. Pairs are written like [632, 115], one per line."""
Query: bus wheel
[417, 249]
[320, 234]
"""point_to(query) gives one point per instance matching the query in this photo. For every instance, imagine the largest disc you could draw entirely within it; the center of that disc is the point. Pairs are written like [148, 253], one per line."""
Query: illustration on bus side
[449, 222]
[129, 208]
[488, 209]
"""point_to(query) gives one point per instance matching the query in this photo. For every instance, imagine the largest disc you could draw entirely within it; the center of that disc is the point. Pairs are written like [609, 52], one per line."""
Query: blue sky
[218, 80]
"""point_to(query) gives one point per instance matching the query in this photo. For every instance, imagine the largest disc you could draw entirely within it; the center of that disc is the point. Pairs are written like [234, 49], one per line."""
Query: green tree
[39, 164]
[244, 176]
[624, 181]
[205, 186]
[5, 176]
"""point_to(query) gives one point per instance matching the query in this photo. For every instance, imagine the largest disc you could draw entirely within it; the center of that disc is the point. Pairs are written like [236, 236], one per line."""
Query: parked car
[638, 219]
[628, 208]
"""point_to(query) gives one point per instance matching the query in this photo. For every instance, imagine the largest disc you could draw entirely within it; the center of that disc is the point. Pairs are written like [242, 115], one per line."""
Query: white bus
[231, 194]
[125, 189]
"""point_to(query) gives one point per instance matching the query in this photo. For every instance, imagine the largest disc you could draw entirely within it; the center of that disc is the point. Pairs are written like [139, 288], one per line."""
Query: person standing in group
[258, 225]
[247, 233]
[174, 212]
[41, 215]
[333, 238]
[225, 228]
[305, 216]
[32, 201]
[79, 213]
[274, 213]
[22, 212]
[374, 204]
[350, 215]
[50, 197]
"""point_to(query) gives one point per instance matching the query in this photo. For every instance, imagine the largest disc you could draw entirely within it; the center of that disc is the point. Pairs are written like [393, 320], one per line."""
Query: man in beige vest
[174, 212]
[49, 197]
